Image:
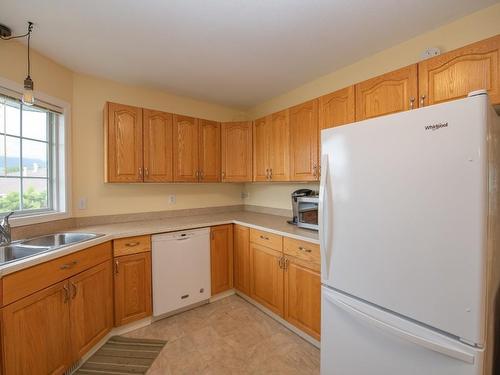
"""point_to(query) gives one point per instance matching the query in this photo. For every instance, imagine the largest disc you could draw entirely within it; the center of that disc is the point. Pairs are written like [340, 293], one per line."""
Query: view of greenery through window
[24, 156]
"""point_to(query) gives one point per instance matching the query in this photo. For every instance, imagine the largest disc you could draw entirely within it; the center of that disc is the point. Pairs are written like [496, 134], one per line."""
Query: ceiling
[233, 52]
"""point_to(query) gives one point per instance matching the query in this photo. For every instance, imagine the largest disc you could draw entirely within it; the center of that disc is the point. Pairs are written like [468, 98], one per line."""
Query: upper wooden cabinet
[236, 151]
[123, 143]
[221, 258]
[279, 146]
[389, 93]
[304, 142]
[454, 74]
[209, 151]
[337, 108]
[158, 145]
[186, 135]
[261, 142]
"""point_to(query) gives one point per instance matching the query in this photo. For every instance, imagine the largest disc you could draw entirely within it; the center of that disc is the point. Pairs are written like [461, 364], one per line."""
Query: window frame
[60, 180]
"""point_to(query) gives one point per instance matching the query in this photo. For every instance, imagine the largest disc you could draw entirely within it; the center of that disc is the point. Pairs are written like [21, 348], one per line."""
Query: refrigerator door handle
[324, 224]
[421, 341]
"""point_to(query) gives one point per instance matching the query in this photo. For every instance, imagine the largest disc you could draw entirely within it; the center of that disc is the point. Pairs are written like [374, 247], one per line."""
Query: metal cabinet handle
[146, 171]
[412, 102]
[68, 265]
[132, 244]
[315, 170]
[223, 175]
[271, 174]
[73, 290]
[280, 262]
[305, 249]
[66, 293]
[285, 263]
[422, 100]
[116, 267]
[264, 237]
[140, 171]
[267, 174]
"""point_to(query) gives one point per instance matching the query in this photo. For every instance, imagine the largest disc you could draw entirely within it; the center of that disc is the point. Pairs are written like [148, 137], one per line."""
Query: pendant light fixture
[6, 34]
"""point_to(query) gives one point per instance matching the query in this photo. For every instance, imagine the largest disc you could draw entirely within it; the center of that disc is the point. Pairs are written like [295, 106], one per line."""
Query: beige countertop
[271, 223]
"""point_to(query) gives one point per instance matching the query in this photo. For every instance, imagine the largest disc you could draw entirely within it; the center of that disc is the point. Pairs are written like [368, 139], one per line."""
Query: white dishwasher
[181, 269]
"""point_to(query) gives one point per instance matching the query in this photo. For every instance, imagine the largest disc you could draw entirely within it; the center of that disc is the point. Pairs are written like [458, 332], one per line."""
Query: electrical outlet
[244, 195]
[171, 199]
[82, 203]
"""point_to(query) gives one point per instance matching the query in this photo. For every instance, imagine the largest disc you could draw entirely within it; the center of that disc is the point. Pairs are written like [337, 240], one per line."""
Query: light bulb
[28, 96]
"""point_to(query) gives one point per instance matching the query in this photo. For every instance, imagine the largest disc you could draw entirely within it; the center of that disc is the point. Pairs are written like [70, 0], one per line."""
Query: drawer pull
[68, 265]
[74, 290]
[66, 293]
[185, 296]
[304, 249]
[116, 267]
[264, 237]
[132, 244]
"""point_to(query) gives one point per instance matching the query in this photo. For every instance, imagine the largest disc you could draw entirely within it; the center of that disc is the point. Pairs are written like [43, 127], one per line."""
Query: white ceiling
[234, 52]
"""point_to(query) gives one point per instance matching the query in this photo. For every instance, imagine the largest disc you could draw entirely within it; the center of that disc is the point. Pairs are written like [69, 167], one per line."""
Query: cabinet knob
[422, 100]
[140, 171]
[412, 102]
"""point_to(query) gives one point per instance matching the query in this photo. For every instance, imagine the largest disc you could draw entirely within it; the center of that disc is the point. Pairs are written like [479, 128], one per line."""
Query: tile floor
[229, 336]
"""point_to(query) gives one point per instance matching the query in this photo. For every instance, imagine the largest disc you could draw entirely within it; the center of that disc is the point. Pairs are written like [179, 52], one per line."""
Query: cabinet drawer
[131, 245]
[25, 282]
[302, 250]
[270, 240]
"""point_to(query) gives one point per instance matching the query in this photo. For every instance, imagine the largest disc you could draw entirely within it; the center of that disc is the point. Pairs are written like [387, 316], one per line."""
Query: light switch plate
[82, 203]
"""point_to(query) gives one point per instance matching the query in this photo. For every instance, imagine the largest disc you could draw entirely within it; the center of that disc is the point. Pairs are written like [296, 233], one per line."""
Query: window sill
[38, 218]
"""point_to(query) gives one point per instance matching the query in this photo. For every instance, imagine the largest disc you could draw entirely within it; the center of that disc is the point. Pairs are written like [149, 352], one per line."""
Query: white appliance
[409, 228]
[181, 270]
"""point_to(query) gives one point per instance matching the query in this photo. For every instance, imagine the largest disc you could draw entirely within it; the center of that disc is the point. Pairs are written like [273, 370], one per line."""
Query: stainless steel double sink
[33, 246]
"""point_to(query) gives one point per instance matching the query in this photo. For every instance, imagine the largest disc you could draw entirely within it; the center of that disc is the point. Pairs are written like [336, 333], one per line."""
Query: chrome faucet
[5, 235]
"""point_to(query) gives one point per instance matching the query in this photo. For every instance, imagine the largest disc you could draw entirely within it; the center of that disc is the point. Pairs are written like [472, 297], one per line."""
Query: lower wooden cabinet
[241, 236]
[221, 258]
[132, 280]
[266, 280]
[303, 296]
[47, 331]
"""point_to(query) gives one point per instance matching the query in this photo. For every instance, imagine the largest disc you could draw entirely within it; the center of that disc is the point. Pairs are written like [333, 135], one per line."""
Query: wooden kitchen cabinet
[241, 240]
[337, 108]
[221, 258]
[186, 137]
[236, 139]
[132, 281]
[158, 146]
[261, 141]
[91, 307]
[123, 143]
[209, 151]
[389, 93]
[304, 142]
[266, 277]
[36, 333]
[455, 74]
[279, 146]
[302, 291]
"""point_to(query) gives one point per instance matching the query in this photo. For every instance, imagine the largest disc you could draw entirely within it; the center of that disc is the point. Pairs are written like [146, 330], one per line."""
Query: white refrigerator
[409, 229]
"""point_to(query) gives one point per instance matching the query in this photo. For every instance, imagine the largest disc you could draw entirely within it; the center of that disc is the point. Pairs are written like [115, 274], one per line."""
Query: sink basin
[26, 248]
[58, 239]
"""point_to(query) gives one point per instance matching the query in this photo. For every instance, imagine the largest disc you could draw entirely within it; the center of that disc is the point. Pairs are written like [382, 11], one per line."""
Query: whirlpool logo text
[437, 126]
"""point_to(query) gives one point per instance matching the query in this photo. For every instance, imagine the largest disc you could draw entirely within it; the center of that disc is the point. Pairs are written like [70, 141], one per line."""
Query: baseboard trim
[222, 295]
[280, 320]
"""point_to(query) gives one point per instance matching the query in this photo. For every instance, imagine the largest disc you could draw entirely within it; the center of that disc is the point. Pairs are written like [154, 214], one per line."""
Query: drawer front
[267, 239]
[131, 245]
[25, 282]
[303, 250]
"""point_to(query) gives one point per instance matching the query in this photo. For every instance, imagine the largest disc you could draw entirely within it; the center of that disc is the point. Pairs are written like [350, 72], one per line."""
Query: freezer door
[359, 339]
[403, 211]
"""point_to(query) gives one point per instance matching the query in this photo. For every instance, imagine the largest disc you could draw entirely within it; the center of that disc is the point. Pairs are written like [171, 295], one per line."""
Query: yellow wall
[480, 25]
[275, 195]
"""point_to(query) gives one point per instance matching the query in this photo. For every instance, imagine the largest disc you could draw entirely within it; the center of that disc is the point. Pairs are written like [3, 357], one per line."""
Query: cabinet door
[123, 136]
[158, 151]
[242, 258]
[221, 258]
[454, 74]
[304, 142]
[261, 134]
[237, 151]
[132, 287]
[389, 93]
[209, 151]
[266, 277]
[186, 137]
[36, 333]
[337, 108]
[279, 146]
[91, 307]
[303, 297]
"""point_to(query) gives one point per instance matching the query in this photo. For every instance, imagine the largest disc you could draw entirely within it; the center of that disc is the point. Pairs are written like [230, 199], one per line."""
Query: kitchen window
[31, 158]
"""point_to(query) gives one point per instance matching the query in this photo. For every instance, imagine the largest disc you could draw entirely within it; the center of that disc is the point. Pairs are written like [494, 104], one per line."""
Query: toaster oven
[307, 212]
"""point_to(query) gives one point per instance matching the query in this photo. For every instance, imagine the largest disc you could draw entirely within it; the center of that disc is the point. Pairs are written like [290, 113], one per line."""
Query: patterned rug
[122, 355]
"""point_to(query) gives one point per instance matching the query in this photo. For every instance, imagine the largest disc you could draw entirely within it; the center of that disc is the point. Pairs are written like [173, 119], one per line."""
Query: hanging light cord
[28, 34]
[30, 29]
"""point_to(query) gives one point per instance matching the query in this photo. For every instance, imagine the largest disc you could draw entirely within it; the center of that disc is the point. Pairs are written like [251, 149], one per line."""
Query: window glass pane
[9, 194]
[10, 155]
[2, 115]
[34, 123]
[12, 118]
[34, 158]
[34, 193]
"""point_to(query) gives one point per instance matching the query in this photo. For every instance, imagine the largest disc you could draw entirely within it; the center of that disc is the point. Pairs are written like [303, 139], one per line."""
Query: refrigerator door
[359, 339]
[403, 211]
